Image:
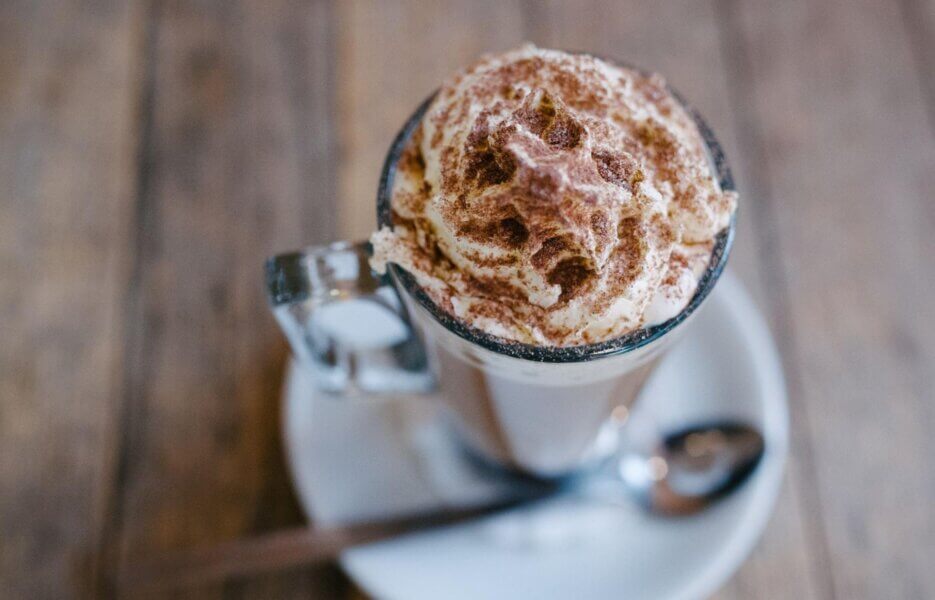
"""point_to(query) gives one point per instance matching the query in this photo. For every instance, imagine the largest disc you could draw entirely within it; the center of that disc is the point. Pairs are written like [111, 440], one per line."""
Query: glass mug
[538, 410]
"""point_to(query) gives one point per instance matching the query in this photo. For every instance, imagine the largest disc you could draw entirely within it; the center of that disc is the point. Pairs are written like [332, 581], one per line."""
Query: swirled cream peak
[555, 199]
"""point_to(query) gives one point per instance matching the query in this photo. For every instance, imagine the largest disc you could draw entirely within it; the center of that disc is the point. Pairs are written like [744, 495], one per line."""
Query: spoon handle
[278, 550]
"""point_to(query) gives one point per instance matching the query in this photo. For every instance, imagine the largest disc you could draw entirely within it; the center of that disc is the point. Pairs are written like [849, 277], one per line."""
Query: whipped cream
[555, 199]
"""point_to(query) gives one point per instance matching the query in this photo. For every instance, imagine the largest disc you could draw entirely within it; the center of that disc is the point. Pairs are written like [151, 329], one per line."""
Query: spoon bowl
[691, 468]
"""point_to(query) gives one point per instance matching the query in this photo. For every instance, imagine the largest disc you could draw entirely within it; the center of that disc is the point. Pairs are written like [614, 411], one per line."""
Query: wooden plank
[238, 165]
[837, 127]
[919, 23]
[68, 89]
[391, 56]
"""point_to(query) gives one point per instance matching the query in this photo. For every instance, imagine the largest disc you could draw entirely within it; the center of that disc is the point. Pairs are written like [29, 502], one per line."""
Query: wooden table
[153, 153]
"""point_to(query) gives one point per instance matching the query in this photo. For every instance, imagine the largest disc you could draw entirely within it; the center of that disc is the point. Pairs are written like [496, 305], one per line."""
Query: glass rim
[628, 342]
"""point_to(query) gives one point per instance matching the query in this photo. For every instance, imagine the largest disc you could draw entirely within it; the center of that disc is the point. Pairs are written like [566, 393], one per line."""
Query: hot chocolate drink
[555, 199]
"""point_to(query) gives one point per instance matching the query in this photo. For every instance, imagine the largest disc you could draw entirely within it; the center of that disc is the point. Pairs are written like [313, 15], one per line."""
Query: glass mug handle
[345, 323]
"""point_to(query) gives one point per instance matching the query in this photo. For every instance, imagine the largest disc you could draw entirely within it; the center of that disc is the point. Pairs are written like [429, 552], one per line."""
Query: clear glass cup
[538, 410]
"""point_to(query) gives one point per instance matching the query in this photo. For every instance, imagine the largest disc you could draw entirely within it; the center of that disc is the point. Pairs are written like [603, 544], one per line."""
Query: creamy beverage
[549, 221]
[555, 199]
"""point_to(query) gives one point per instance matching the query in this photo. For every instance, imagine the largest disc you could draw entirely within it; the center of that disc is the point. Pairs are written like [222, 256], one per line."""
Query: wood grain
[68, 91]
[236, 167]
[847, 171]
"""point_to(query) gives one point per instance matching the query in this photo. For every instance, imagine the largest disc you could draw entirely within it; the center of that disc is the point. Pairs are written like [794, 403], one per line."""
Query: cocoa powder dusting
[615, 167]
[557, 182]
[547, 253]
[571, 275]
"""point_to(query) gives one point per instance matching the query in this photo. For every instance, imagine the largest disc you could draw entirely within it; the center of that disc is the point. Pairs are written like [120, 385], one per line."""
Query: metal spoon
[686, 472]
[674, 473]
[691, 468]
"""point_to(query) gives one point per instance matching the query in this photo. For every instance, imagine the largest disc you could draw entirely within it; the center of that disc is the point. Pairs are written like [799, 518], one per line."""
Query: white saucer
[358, 461]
